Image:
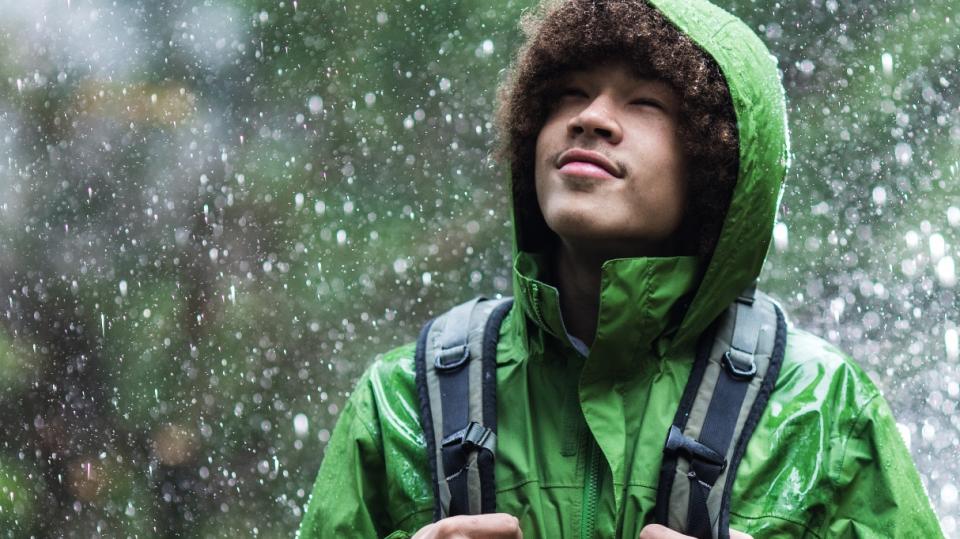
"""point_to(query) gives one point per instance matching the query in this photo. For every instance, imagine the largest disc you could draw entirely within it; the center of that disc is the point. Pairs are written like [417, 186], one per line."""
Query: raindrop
[946, 272]
[953, 216]
[315, 104]
[301, 425]
[886, 63]
[948, 493]
[912, 239]
[938, 247]
[879, 195]
[781, 236]
[487, 47]
[952, 342]
[837, 305]
[903, 153]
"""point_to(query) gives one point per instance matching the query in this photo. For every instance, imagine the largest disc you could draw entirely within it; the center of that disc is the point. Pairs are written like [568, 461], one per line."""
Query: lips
[588, 163]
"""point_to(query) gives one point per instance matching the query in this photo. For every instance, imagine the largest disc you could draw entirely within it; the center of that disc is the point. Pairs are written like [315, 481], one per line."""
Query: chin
[587, 235]
[581, 226]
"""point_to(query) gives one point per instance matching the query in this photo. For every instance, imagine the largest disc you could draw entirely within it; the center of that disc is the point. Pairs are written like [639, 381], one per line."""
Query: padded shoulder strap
[732, 378]
[456, 382]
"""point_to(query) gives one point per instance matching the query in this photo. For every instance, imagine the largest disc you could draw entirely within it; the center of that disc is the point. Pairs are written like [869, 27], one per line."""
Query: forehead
[591, 64]
[620, 76]
[612, 71]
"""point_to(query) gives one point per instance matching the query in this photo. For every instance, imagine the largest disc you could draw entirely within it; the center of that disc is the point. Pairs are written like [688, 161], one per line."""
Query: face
[609, 165]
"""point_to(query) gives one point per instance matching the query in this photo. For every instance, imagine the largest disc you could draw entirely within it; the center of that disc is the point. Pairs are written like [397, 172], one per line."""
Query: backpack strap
[736, 367]
[456, 383]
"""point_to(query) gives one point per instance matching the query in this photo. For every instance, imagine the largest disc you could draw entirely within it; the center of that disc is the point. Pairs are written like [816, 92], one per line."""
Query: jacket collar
[642, 301]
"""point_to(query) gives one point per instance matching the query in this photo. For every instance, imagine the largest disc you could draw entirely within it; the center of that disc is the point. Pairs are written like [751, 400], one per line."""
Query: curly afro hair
[567, 35]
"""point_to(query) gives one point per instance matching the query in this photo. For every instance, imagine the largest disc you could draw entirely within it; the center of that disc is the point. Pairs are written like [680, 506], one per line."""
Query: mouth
[588, 163]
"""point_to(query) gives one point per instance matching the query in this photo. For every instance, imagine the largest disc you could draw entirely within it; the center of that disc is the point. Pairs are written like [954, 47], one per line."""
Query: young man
[647, 144]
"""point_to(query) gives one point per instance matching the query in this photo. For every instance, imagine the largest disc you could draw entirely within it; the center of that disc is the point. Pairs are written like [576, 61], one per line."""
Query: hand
[493, 526]
[656, 531]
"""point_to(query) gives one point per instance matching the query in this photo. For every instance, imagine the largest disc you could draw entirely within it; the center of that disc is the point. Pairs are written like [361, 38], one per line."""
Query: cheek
[546, 142]
[546, 148]
[672, 191]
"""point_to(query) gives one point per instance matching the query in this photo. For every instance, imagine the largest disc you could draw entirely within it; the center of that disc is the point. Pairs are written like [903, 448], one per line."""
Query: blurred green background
[214, 214]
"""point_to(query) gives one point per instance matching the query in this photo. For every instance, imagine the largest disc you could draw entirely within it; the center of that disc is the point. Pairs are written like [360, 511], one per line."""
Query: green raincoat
[580, 439]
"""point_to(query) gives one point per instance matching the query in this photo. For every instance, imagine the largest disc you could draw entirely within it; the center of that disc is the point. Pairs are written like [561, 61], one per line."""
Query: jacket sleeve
[877, 489]
[349, 497]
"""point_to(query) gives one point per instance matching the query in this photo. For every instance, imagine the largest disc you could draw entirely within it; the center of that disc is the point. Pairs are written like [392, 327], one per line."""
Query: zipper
[591, 491]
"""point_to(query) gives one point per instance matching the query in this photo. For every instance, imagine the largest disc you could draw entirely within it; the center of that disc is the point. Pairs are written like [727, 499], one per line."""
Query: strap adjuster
[457, 354]
[740, 365]
[677, 442]
[472, 437]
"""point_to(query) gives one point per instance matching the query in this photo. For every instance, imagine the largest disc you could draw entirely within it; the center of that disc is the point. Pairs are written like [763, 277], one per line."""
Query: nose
[597, 119]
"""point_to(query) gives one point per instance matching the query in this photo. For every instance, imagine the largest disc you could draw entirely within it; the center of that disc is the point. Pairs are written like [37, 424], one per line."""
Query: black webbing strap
[454, 381]
[725, 407]
[729, 385]
[485, 460]
[458, 404]
[668, 467]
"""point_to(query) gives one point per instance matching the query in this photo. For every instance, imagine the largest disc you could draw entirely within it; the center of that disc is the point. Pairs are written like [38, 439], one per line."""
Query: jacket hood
[643, 284]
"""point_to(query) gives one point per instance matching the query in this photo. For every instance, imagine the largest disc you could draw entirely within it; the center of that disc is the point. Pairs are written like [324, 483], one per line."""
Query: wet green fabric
[826, 459]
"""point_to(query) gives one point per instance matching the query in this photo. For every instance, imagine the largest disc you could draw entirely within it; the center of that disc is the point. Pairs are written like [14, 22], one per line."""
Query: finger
[734, 534]
[495, 525]
[656, 531]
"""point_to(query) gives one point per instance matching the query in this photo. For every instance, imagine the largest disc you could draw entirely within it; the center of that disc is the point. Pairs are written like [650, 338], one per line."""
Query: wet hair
[569, 35]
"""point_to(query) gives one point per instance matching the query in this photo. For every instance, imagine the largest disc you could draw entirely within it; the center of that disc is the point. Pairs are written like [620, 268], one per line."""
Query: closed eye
[573, 92]
[648, 103]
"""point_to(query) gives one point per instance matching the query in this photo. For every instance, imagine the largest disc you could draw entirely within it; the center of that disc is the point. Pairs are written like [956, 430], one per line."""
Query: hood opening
[572, 35]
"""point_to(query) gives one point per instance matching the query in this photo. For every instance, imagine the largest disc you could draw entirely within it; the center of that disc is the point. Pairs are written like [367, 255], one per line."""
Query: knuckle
[446, 526]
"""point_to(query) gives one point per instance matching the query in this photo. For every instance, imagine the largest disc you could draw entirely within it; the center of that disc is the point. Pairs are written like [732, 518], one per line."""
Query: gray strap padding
[453, 368]
[725, 386]
[453, 338]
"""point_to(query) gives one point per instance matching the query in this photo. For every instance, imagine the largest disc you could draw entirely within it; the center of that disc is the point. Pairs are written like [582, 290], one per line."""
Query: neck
[578, 280]
[578, 270]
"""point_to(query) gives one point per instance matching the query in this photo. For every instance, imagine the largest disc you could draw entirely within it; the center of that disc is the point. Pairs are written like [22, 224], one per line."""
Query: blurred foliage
[213, 216]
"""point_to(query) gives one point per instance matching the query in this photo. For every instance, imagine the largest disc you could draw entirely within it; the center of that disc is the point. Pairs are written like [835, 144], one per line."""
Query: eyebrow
[642, 74]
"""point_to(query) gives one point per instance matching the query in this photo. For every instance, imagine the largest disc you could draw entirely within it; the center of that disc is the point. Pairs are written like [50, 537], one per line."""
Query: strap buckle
[459, 355]
[740, 365]
[472, 437]
[677, 442]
